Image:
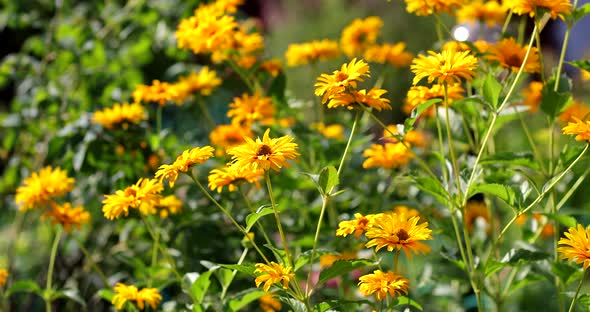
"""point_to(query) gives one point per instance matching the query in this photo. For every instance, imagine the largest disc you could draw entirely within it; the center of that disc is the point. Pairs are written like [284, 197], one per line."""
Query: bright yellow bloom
[225, 137]
[67, 216]
[231, 176]
[398, 231]
[357, 226]
[247, 109]
[388, 156]
[120, 114]
[413, 137]
[579, 128]
[183, 163]
[333, 131]
[554, 7]
[576, 247]
[428, 7]
[449, 66]
[353, 98]
[510, 55]
[273, 273]
[241, 47]
[169, 205]
[149, 296]
[273, 67]
[359, 35]
[144, 192]
[311, 52]
[157, 92]
[126, 293]
[203, 82]
[42, 186]
[3, 277]
[348, 76]
[578, 110]
[383, 283]
[393, 54]
[264, 154]
[420, 94]
[490, 12]
[229, 6]
[268, 303]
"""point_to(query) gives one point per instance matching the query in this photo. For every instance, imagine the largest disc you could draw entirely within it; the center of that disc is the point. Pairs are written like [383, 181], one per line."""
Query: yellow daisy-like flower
[120, 114]
[357, 226]
[149, 296]
[449, 66]
[388, 156]
[579, 128]
[333, 131]
[554, 7]
[203, 82]
[372, 98]
[490, 12]
[428, 7]
[359, 35]
[144, 192]
[169, 205]
[348, 76]
[419, 94]
[247, 109]
[393, 54]
[532, 95]
[509, 54]
[43, 186]
[264, 154]
[231, 176]
[382, 284]
[273, 273]
[268, 303]
[576, 246]
[3, 277]
[130, 293]
[413, 137]
[225, 137]
[241, 47]
[157, 92]
[183, 163]
[398, 231]
[311, 52]
[578, 110]
[66, 215]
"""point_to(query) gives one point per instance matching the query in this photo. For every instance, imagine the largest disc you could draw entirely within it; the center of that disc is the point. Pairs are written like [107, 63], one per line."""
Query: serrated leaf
[581, 64]
[328, 179]
[29, 286]
[524, 159]
[505, 193]
[254, 216]
[494, 266]
[246, 268]
[554, 102]
[491, 90]
[432, 187]
[417, 112]
[244, 298]
[341, 267]
[581, 11]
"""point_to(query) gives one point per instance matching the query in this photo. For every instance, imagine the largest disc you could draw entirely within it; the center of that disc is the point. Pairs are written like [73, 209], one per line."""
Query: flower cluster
[311, 52]
[130, 293]
[183, 163]
[43, 186]
[120, 115]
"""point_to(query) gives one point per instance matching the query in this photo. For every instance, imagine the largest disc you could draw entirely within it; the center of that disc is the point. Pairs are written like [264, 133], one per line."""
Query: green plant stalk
[163, 251]
[572, 189]
[507, 22]
[48, 291]
[395, 261]
[531, 142]
[566, 39]
[325, 200]
[451, 144]
[577, 292]
[443, 166]
[556, 281]
[357, 117]
[154, 253]
[93, 264]
[242, 75]
[233, 274]
[278, 219]
[539, 50]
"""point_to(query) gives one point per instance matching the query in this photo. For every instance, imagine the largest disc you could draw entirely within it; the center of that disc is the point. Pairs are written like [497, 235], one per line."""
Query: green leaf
[505, 193]
[71, 294]
[527, 280]
[332, 305]
[246, 268]
[568, 221]
[520, 256]
[581, 11]
[341, 267]
[106, 294]
[243, 298]
[304, 257]
[296, 305]
[494, 266]
[402, 301]
[552, 102]
[563, 271]
[417, 112]
[199, 284]
[491, 90]
[432, 187]
[254, 216]
[524, 159]
[581, 64]
[328, 179]
[277, 88]
[28, 286]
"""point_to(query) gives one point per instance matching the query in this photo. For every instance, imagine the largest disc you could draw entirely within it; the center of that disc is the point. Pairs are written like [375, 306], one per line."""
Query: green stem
[539, 50]
[154, 253]
[507, 22]
[258, 223]
[242, 75]
[93, 264]
[451, 144]
[233, 274]
[572, 189]
[163, 251]
[206, 114]
[395, 261]
[354, 126]
[278, 218]
[325, 200]
[566, 39]
[577, 292]
[530, 140]
[441, 145]
[48, 291]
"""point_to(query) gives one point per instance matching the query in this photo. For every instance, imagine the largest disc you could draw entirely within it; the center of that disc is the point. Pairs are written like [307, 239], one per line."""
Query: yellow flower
[357, 226]
[183, 163]
[576, 247]
[419, 94]
[329, 259]
[311, 52]
[273, 273]
[120, 114]
[398, 231]
[149, 296]
[449, 66]
[532, 95]
[144, 192]
[3, 277]
[554, 7]
[269, 304]
[509, 54]
[247, 109]
[351, 99]
[227, 136]
[579, 128]
[578, 110]
[348, 76]
[393, 54]
[208, 30]
[126, 293]
[274, 67]
[413, 137]
[383, 283]
[67, 216]
[264, 154]
[491, 12]
[169, 205]
[333, 131]
[229, 6]
[359, 35]
[231, 176]
[157, 92]
[388, 156]
[585, 75]
[203, 82]
[428, 7]
[241, 47]
[455, 45]
[42, 186]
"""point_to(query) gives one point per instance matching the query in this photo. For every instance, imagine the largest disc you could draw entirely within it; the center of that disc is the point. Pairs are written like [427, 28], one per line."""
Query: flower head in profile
[449, 66]
[120, 115]
[509, 54]
[491, 12]
[183, 163]
[575, 246]
[247, 109]
[533, 95]
[231, 176]
[359, 35]
[429, 7]
[67, 216]
[42, 186]
[157, 92]
[348, 76]
[394, 54]
[264, 154]
[419, 94]
[268, 303]
[579, 128]
[372, 98]
[273, 273]
[381, 284]
[398, 231]
[357, 226]
[578, 110]
[149, 296]
[388, 155]
[144, 192]
[311, 52]
[169, 205]
[556, 8]
[224, 137]
[124, 293]
[3, 277]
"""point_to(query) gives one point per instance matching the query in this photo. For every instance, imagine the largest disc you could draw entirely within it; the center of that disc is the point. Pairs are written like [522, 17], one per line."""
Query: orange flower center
[263, 150]
[402, 235]
[340, 76]
[513, 61]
